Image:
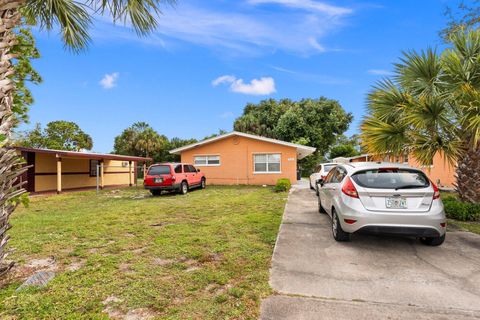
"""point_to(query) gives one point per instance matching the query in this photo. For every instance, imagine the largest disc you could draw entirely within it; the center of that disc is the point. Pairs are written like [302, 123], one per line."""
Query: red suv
[173, 177]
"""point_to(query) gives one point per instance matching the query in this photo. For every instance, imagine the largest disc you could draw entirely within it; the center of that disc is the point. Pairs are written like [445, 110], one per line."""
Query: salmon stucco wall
[440, 172]
[236, 161]
[76, 173]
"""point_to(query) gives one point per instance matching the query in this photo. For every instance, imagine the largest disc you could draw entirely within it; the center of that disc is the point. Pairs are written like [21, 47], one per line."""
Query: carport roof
[89, 155]
[302, 151]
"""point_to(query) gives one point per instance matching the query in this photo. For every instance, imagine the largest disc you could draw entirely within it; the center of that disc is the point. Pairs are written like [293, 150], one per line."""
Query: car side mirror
[320, 182]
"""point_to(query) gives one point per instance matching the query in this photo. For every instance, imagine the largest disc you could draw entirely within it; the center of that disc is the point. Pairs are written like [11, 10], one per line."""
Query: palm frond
[142, 14]
[71, 16]
[425, 147]
[469, 103]
[462, 61]
[386, 100]
[74, 18]
[421, 73]
[380, 137]
[429, 114]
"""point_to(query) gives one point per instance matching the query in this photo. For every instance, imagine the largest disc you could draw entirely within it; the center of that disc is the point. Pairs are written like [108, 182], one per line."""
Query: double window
[267, 163]
[207, 160]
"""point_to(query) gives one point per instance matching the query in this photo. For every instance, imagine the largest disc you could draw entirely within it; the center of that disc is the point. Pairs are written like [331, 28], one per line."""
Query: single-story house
[439, 171]
[241, 158]
[58, 170]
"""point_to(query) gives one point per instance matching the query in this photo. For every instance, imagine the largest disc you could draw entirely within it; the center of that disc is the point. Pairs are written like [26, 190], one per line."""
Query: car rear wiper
[410, 186]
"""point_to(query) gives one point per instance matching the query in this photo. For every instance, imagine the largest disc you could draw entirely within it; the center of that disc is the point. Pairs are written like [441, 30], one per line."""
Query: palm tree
[74, 19]
[432, 105]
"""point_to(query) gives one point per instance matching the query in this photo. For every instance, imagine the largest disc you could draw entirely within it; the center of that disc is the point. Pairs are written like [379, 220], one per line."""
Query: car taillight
[349, 189]
[323, 177]
[436, 192]
[174, 178]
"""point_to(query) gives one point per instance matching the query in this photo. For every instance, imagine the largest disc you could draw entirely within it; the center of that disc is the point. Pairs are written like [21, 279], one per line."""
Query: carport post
[130, 173]
[59, 175]
[102, 181]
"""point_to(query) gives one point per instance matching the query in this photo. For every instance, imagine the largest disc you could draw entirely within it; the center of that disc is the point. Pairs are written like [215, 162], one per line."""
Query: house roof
[89, 155]
[302, 151]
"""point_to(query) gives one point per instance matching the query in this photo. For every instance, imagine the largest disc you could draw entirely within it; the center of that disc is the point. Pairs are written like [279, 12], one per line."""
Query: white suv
[388, 198]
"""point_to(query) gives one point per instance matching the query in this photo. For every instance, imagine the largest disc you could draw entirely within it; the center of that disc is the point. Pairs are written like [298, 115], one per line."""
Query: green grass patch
[205, 255]
[470, 226]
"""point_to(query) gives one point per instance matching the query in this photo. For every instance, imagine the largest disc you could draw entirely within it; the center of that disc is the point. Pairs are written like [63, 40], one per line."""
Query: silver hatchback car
[385, 198]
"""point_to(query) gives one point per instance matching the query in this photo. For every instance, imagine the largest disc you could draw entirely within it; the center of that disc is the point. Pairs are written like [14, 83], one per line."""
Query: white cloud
[314, 43]
[262, 86]
[109, 80]
[307, 5]
[246, 31]
[227, 114]
[379, 72]
[223, 79]
[312, 77]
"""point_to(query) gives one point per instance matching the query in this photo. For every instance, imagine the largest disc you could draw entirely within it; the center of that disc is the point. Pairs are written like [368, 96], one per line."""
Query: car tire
[183, 187]
[203, 183]
[155, 192]
[320, 208]
[311, 187]
[337, 231]
[433, 241]
[316, 190]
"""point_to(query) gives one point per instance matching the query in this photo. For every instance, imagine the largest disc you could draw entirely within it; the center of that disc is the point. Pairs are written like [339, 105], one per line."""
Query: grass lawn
[205, 255]
[471, 226]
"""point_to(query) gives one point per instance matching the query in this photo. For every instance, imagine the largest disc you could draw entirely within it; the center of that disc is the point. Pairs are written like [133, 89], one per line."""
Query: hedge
[459, 210]
[283, 185]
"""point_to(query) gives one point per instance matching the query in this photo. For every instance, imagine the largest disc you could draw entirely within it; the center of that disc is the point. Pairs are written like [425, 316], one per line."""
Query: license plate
[158, 180]
[396, 203]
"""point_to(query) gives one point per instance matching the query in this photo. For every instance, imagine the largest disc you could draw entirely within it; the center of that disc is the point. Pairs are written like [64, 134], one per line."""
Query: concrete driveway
[372, 277]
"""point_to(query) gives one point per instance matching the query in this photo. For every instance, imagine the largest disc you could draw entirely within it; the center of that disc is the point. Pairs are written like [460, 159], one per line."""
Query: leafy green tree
[164, 155]
[313, 122]
[73, 18]
[432, 105]
[139, 140]
[213, 135]
[262, 118]
[25, 50]
[58, 135]
[345, 147]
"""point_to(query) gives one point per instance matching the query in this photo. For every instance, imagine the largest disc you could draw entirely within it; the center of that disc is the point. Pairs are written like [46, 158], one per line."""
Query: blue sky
[209, 58]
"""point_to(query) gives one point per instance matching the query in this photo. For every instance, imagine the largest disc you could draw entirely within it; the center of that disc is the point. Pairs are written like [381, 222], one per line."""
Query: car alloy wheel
[203, 184]
[184, 188]
[337, 231]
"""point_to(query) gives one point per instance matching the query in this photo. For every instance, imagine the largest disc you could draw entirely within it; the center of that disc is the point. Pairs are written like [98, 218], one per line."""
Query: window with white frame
[266, 163]
[207, 160]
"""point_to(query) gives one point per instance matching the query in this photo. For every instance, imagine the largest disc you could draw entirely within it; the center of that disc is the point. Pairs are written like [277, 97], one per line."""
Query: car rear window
[329, 167]
[156, 170]
[391, 178]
